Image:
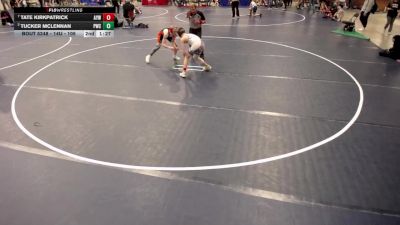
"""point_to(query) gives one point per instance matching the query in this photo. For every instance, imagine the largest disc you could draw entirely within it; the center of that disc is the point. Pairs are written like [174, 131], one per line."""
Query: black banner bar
[58, 17]
[60, 10]
[61, 25]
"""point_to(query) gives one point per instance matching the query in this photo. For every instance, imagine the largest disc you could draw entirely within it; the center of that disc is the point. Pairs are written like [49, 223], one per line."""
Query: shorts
[198, 51]
[254, 9]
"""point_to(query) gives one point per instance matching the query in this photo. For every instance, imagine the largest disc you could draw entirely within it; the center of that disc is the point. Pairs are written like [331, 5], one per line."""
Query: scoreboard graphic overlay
[64, 22]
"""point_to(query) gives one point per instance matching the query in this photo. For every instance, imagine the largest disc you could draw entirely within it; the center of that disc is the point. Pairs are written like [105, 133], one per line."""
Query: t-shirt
[195, 19]
[393, 7]
[253, 4]
[194, 41]
[166, 33]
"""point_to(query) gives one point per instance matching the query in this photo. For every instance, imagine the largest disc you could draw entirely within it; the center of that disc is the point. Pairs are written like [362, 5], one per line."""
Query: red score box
[107, 17]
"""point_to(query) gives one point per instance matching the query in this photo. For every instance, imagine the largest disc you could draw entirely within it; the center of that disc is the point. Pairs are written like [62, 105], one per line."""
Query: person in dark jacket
[394, 52]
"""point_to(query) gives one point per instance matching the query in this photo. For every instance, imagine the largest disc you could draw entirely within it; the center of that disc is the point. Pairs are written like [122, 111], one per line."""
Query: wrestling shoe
[207, 68]
[183, 74]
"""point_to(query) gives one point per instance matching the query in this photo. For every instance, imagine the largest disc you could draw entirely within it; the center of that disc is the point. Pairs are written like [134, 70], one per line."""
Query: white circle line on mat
[37, 57]
[161, 14]
[247, 25]
[190, 168]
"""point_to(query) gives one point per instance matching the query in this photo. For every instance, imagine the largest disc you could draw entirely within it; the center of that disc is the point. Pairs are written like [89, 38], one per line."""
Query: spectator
[325, 10]
[285, 4]
[350, 24]
[342, 3]
[138, 9]
[6, 4]
[115, 3]
[21, 3]
[235, 8]
[32, 3]
[253, 9]
[392, 12]
[6, 18]
[215, 3]
[300, 4]
[128, 12]
[269, 3]
[338, 16]
[393, 52]
[365, 11]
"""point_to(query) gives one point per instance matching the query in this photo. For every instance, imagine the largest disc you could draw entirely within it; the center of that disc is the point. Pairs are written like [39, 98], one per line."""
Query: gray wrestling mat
[293, 125]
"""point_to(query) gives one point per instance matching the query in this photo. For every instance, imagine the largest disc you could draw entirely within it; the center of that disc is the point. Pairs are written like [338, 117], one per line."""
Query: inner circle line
[189, 168]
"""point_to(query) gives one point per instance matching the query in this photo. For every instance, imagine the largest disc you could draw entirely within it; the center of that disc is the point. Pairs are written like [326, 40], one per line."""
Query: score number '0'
[108, 17]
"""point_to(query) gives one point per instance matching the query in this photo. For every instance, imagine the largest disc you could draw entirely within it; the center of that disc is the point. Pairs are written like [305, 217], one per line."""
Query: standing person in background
[196, 19]
[269, 4]
[311, 5]
[300, 4]
[365, 11]
[128, 11]
[116, 6]
[286, 4]
[392, 12]
[235, 8]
